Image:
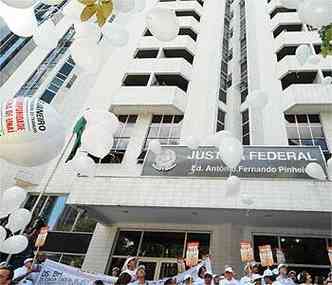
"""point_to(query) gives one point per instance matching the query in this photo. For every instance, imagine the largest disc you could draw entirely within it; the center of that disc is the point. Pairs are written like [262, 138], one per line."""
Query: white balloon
[329, 168]
[155, 147]
[303, 52]
[316, 13]
[51, 2]
[192, 142]
[32, 134]
[21, 22]
[83, 164]
[290, 4]
[45, 36]
[315, 171]
[86, 30]
[105, 118]
[257, 99]
[20, 4]
[163, 24]
[73, 10]
[124, 6]
[314, 59]
[139, 6]
[18, 220]
[231, 151]
[86, 55]
[327, 80]
[233, 185]
[14, 244]
[116, 34]
[3, 233]
[97, 141]
[12, 199]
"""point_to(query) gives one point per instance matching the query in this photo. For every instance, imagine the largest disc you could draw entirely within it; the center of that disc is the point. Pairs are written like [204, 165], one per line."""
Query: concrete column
[203, 89]
[225, 246]
[262, 75]
[136, 142]
[100, 248]
[326, 120]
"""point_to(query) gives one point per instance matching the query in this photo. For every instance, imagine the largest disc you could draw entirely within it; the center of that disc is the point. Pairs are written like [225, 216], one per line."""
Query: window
[188, 32]
[178, 53]
[188, 13]
[75, 260]
[245, 128]
[298, 78]
[287, 28]
[136, 80]
[170, 80]
[121, 140]
[169, 245]
[220, 120]
[301, 253]
[229, 80]
[285, 51]
[166, 129]
[281, 10]
[147, 53]
[58, 81]
[58, 216]
[306, 129]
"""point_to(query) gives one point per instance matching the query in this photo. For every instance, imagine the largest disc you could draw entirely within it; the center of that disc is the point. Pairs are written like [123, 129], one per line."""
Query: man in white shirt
[229, 277]
[282, 278]
[21, 273]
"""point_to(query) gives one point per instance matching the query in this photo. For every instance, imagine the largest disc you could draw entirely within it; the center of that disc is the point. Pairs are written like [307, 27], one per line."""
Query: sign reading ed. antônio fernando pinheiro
[257, 162]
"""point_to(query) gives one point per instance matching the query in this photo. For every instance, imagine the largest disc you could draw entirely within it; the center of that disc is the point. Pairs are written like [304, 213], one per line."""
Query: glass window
[245, 128]
[162, 244]
[166, 129]
[220, 120]
[305, 250]
[204, 242]
[72, 260]
[306, 129]
[127, 243]
[265, 240]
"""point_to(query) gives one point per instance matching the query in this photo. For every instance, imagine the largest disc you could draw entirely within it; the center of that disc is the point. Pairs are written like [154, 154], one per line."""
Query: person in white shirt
[246, 279]
[282, 278]
[200, 278]
[140, 276]
[130, 267]
[268, 277]
[21, 273]
[256, 279]
[229, 277]
[208, 277]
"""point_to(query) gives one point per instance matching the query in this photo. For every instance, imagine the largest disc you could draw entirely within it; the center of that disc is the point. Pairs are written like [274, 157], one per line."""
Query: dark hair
[99, 282]
[303, 276]
[168, 281]
[10, 269]
[200, 271]
[124, 279]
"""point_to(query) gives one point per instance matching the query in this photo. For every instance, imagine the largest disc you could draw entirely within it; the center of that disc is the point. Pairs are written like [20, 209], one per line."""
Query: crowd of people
[134, 274]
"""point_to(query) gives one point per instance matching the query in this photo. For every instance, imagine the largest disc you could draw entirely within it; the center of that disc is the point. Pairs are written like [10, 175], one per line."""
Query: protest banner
[266, 256]
[192, 254]
[247, 253]
[280, 256]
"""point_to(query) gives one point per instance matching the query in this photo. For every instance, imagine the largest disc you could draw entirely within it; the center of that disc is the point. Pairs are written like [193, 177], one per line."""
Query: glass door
[159, 268]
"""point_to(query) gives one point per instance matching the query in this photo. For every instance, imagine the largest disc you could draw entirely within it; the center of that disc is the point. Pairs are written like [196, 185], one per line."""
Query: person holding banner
[140, 276]
[201, 272]
[130, 267]
[282, 278]
[246, 279]
[229, 277]
[268, 277]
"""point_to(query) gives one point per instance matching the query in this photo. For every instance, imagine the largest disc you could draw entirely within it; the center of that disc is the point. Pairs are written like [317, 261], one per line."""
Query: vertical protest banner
[40, 241]
[329, 249]
[192, 254]
[266, 256]
[280, 256]
[246, 251]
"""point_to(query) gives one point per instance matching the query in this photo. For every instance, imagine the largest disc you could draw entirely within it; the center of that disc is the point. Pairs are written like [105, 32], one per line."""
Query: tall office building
[195, 85]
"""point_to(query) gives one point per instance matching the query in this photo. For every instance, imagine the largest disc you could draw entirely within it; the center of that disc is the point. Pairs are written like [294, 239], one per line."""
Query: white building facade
[195, 85]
